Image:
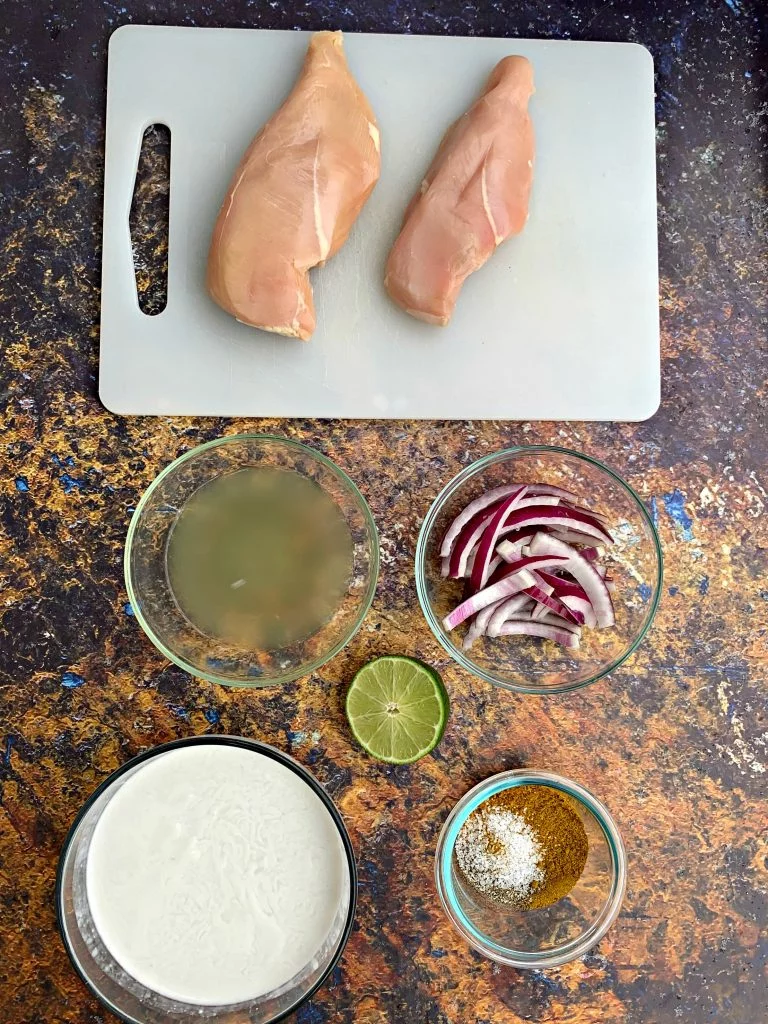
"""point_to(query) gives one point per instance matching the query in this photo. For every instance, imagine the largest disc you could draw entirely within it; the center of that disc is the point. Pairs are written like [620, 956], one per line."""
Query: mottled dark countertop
[675, 742]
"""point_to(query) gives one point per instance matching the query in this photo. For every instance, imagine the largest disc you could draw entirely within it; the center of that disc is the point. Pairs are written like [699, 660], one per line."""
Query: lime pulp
[397, 708]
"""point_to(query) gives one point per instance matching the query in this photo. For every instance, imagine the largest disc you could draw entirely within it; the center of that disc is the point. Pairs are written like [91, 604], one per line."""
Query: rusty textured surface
[675, 742]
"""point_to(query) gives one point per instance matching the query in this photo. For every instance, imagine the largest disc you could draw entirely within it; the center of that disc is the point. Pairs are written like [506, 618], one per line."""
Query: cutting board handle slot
[149, 218]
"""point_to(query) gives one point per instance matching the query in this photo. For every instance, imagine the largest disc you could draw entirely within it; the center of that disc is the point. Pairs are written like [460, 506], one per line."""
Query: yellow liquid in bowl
[260, 558]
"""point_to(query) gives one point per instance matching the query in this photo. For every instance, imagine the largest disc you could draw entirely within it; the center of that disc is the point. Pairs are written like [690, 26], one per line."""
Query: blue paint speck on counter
[674, 503]
[548, 983]
[644, 591]
[128, 609]
[310, 1014]
[71, 680]
[180, 712]
[704, 585]
[70, 483]
[22, 484]
[7, 752]
[673, 591]
[212, 716]
[437, 953]
[655, 512]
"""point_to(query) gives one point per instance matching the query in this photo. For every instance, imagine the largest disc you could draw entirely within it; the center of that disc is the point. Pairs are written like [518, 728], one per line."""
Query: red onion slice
[554, 620]
[556, 492]
[526, 562]
[467, 540]
[590, 512]
[561, 636]
[510, 608]
[504, 588]
[575, 536]
[510, 550]
[583, 572]
[487, 545]
[550, 603]
[558, 517]
[582, 606]
[494, 495]
[562, 586]
[479, 624]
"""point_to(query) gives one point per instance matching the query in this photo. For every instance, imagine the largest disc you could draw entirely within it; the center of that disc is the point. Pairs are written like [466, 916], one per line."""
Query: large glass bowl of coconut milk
[207, 879]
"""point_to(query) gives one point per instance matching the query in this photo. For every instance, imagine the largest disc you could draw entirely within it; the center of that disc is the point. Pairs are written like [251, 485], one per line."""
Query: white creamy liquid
[214, 874]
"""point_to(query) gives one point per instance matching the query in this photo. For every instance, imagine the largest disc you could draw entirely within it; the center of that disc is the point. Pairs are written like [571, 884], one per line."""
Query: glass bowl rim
[367, 599]
[420, 561]
[570, 950]
[223, 740]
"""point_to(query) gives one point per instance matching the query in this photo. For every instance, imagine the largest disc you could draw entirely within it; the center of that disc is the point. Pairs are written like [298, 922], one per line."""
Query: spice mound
[525, 847]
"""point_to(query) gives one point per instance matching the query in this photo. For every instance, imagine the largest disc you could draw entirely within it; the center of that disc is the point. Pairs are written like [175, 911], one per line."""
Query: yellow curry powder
[557, 831]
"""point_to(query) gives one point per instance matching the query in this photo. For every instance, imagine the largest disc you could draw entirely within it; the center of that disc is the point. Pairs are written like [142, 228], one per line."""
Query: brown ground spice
[559, 832]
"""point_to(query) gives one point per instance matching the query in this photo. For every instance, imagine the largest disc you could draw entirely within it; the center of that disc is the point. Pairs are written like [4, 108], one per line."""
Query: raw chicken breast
[295, 196]
[474, 196]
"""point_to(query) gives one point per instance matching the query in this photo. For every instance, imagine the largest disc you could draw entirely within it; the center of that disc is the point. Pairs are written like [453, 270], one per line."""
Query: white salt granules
[499, 854]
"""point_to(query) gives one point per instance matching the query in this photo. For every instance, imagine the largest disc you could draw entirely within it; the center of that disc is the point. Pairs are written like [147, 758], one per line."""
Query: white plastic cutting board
[561, 324]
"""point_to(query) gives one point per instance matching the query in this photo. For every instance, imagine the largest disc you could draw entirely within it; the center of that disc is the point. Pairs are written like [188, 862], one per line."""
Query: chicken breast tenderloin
[473, 197]
[295, 196]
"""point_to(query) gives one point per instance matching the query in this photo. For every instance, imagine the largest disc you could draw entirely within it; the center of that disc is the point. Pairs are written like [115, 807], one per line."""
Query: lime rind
[422, 703]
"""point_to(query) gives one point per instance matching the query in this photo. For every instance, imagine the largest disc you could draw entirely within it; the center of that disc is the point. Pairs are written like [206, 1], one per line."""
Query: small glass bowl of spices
[530, 868]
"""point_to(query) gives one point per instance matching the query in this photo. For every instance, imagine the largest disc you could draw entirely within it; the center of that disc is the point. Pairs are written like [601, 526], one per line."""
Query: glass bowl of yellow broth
[251, 560]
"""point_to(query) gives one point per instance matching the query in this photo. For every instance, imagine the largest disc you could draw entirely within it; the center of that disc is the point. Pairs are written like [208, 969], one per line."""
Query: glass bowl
[529, 664]
[552, 935]
[146, 575]
[120, 993]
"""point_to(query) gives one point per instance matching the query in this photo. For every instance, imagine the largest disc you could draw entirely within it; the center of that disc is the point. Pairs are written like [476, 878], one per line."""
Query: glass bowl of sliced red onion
[539, 569]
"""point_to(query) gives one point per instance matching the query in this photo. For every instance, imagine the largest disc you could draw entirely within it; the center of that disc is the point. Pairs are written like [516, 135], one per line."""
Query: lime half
[397, 708]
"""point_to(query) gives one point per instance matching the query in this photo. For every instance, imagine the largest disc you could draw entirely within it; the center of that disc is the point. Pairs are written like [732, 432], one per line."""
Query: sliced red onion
[561, 636]
[504, 588]
[550, 603]
[504, 542]
[526, 562]
[575, 536]
[510, 608]
[563, 586]
[494, 564]
[557, 492]
[539, 608]
[607, 580]
[487, 546]
[583, 572]
[582, 606]
[538, 499]
[592, 554]
[590, 512]
[468, 538]
[551, 619]
[479, 624]
[489, 498]
[557, 517]
[510, 550]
